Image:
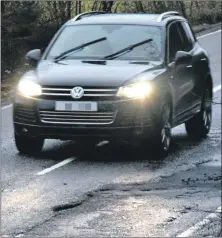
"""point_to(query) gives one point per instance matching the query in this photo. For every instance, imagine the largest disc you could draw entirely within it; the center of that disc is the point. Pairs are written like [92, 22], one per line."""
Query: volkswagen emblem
[77, 92]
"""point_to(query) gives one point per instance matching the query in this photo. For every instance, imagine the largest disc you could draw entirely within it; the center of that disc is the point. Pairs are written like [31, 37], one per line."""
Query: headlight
[29, 89]
[136, 90]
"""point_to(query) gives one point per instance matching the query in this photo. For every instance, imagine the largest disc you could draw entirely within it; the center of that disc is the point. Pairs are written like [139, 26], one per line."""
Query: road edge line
[209, 34]
[56, 166]
[199, 225]
[217, 88]
[5, 107]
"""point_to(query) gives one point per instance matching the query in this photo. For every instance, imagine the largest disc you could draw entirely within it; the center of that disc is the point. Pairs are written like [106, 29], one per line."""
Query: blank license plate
[76, 106]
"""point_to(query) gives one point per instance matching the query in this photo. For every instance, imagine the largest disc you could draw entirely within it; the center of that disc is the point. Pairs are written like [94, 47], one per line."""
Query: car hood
[92, 73]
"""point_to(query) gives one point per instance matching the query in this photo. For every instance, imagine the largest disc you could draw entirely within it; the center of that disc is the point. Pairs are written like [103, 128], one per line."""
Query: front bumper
[131, 119]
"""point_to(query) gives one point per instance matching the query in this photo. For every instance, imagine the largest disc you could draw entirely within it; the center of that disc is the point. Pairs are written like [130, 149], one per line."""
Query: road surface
[115, 191]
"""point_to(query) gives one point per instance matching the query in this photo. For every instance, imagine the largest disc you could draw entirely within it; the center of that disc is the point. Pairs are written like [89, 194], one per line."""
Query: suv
[115, 77]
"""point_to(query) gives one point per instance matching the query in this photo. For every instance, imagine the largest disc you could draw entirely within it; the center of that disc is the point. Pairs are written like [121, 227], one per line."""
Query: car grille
[90, 93]
[25, 114]
[81, 118]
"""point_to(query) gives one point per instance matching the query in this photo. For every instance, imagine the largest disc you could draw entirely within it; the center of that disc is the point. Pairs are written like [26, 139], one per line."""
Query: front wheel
[199, 126]
[163, 137]
[29, 145]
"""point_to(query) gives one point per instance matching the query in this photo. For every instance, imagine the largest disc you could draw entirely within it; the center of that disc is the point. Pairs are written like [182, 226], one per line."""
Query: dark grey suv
[116, 77]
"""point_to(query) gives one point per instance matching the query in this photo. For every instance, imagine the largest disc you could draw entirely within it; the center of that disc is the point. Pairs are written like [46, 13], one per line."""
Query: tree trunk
[62, 11]
[2, 7]
[95, 6]
[55, 11]
[107, 6]
[171, 5]
[139, 6]
[191, 8]
[68, 9]
[154, 6]
[80, 6]
[76, 8]
[182, 7]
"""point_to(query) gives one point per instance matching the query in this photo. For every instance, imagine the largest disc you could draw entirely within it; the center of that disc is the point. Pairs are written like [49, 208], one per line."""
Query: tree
[107, 6]
[139, 6]
[182, 7]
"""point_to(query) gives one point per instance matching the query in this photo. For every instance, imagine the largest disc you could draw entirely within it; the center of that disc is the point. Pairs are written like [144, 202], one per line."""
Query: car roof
[126, 18]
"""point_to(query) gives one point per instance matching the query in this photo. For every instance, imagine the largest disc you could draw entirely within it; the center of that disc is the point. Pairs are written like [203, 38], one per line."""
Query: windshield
[117, 37]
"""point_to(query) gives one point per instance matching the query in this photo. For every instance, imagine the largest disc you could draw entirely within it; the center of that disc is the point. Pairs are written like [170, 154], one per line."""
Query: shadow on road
[127, 153]
[111, 153]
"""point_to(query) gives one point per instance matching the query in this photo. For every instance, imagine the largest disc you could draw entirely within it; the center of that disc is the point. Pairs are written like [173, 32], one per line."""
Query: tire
[29, 145]
[199, 126]
[163, 136]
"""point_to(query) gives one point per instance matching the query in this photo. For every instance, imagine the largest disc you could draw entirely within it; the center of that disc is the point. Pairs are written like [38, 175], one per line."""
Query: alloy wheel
[207, 110]
[166, 136]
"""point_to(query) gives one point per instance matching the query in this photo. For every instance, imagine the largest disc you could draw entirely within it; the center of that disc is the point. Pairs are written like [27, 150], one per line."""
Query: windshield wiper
[65, 53]
[126, 50]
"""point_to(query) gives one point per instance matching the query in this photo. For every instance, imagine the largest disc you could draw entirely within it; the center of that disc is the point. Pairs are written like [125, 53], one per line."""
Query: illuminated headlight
[29, 89]
[136, 90]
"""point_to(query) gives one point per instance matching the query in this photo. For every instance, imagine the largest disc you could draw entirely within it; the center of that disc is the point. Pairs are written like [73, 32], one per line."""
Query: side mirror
[33, 56]
[182, 57]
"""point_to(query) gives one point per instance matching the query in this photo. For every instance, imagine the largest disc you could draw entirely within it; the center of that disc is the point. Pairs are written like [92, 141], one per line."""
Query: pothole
[20, 235]
[67, 206]
[171, 219]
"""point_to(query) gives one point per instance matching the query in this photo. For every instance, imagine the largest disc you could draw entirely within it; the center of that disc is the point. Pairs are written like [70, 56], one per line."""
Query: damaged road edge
[203, 224]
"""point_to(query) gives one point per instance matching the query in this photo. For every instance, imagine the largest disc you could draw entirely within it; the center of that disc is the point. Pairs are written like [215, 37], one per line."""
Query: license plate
[76, 106]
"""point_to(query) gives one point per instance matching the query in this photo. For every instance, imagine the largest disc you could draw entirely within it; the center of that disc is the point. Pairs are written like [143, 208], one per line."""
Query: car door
[181, 76]
[191, 46]
[200, 65]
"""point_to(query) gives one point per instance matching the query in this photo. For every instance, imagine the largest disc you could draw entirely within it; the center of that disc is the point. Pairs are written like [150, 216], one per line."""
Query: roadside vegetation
[31, 24]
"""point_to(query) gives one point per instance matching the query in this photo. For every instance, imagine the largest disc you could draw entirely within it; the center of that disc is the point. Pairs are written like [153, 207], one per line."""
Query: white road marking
[191, 231]
[209, 34]
[5, 107]
[56, 166]
[102, 143]
[217, 88]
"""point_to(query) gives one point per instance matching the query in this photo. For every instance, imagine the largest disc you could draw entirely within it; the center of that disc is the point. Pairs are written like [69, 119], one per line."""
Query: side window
[189, 32]
[187, 43]
[174, 42]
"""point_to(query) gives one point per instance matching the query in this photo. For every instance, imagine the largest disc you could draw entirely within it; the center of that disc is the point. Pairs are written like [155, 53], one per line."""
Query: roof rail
[86, 14]
[167, 14]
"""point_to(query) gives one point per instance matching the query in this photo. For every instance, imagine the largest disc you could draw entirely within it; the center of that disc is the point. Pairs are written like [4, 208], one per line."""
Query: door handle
[203, 59]
[189, 66]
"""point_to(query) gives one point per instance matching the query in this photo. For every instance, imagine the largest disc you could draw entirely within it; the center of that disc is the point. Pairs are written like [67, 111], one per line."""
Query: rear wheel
[163, 138]
[29, 145]
[199, 126]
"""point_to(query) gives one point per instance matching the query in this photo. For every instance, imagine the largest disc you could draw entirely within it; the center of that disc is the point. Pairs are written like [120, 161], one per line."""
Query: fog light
[139, 131]
[25, 130]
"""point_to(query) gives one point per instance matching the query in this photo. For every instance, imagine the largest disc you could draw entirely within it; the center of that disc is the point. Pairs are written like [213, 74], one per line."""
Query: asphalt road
[115, 191]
